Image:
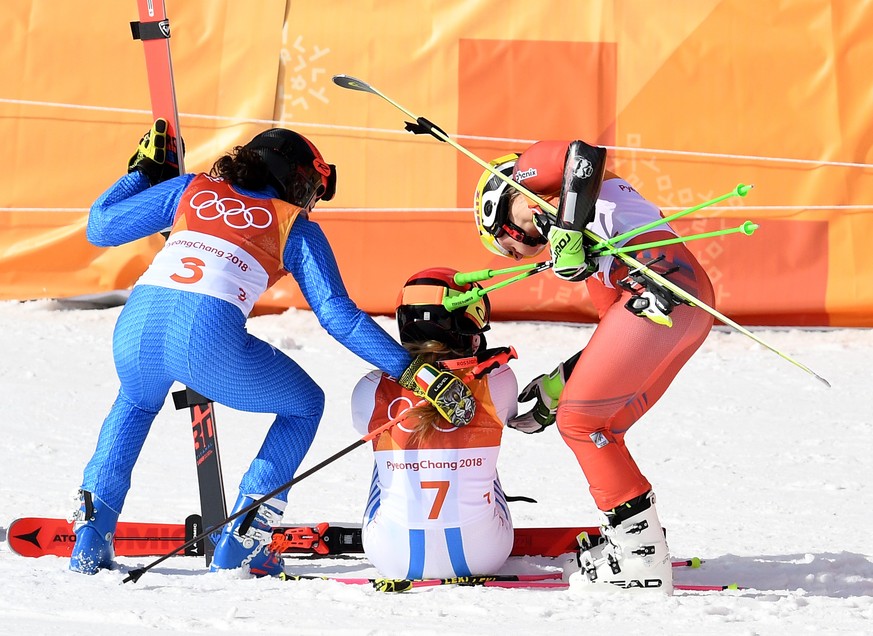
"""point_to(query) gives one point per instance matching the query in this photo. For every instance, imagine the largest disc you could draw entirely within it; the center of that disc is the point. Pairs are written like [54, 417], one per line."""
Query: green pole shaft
[740, 191]
[462, 300]
[747, 228]
[462, 278]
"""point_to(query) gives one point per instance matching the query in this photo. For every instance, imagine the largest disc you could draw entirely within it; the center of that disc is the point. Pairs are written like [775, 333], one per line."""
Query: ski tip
[352, 83]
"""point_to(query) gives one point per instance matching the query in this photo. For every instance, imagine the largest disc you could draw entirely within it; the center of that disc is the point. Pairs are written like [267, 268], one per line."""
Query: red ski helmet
[297, 169]
[421, 315]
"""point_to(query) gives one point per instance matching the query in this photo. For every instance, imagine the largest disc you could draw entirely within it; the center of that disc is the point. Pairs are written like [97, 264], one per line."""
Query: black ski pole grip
[424, 126]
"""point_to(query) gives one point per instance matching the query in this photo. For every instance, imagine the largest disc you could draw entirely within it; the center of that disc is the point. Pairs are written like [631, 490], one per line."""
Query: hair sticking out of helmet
[297, 169]
[421, 315]
[491, 203]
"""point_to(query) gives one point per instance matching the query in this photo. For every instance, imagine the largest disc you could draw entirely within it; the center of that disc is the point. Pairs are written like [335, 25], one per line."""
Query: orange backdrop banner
[698, 96]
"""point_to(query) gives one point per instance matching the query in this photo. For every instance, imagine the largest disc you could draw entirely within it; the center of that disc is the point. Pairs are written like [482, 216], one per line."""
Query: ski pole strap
[150, 30]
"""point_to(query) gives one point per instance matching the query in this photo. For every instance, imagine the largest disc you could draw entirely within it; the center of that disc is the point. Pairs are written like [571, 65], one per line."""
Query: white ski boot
[634, 554]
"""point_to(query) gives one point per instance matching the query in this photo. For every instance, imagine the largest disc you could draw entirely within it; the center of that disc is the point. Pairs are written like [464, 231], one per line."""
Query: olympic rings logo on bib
[400, 405]
[235, 214]
[397, 408]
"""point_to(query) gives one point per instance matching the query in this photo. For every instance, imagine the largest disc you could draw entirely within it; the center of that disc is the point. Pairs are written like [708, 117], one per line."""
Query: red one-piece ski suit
[629, 361]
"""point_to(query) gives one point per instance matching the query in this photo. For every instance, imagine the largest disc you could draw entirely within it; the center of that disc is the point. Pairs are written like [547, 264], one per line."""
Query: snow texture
[760, 470]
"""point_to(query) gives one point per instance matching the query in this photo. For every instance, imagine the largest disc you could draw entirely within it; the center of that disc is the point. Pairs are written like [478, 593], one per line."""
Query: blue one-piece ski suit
[166, 333]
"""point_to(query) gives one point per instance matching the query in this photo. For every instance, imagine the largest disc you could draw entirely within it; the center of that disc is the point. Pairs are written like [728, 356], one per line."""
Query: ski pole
[134, 575]
[468, 297]
[462, 278]
[404, 585]
[423, 125]
[748, 228]
[740, 191]
[545, 581]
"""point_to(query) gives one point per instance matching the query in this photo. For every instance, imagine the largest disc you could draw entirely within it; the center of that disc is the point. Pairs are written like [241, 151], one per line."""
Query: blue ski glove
[570, 262]
[445, 391]
[546, 389]
[156, 155]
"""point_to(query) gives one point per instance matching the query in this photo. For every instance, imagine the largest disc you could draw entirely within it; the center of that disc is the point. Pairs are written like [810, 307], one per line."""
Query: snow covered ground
[760, 470]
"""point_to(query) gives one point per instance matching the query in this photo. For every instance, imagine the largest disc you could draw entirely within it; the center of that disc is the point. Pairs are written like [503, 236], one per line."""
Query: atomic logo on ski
[31, 537]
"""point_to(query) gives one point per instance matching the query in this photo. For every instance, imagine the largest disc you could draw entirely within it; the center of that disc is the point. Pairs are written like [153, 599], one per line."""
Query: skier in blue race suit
[235, 232]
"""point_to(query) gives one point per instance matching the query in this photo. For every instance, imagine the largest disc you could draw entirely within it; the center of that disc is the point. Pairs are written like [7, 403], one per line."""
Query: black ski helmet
[421, 315]
[297, 169]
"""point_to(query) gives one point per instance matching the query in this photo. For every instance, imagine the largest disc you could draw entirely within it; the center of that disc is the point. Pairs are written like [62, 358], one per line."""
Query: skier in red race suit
[234, 233]
[643, 338]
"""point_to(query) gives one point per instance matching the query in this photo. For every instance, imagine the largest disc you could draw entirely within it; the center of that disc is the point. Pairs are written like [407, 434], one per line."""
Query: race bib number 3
[205, 264]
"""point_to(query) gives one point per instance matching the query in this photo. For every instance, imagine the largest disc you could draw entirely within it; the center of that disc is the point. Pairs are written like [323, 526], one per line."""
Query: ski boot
[634, 554]
[245, 541]
[94, 525]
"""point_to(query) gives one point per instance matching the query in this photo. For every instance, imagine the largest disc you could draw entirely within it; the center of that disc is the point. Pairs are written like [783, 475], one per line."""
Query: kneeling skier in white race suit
[436, 508]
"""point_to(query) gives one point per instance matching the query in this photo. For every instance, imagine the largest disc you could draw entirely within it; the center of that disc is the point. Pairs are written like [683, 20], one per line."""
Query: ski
[548, 579]
[153, 29]
[44, 536]
[210, 481]
[325, 539]
[41, 536]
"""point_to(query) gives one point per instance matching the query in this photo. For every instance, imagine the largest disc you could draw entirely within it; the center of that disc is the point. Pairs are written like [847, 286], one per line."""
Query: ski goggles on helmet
[425, 303]
[313, 183]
